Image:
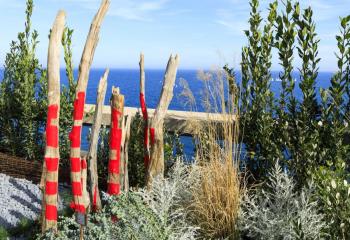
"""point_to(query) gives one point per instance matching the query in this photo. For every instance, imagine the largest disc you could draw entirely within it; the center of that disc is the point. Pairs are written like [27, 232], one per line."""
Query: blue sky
[203, 32]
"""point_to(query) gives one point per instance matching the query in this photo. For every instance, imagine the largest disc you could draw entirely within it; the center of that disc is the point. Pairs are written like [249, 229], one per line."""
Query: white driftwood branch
[92, 155]
[90, 46]
[156, 166]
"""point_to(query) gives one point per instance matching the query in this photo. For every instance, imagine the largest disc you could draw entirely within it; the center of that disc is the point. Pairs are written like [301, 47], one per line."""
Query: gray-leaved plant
[158, 213]
[168, 198]
[279, 212]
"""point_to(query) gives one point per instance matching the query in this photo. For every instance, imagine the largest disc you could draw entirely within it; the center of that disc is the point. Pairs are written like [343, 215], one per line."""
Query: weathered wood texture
[79, 204]
[84, 181]
[156, 165]
[182, 122]
[92, 155]
[52, 155]
[144, 112]
[115, 142]
[124, 153]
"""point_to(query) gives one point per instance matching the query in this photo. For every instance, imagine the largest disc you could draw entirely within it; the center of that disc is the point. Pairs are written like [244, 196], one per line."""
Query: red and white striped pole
[78, 204]
[52, 153]
[75, 155]
[146, 131]
[115, 138]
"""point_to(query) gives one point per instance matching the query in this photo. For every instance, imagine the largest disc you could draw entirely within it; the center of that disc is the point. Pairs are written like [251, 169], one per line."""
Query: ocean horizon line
[180, 69]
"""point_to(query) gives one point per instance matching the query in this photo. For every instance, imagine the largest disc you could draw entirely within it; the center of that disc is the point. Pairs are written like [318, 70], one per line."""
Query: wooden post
[156, 166]
[124, 154]
[79, 204]
[144, 112]
[115, 140]
[52, 154]
[84, 181]
[92, 155]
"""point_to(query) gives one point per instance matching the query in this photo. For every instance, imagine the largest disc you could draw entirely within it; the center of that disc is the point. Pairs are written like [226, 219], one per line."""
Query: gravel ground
[19, 199]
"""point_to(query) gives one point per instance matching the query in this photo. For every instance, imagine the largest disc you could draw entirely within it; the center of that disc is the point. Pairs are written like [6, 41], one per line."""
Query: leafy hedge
[304, 133]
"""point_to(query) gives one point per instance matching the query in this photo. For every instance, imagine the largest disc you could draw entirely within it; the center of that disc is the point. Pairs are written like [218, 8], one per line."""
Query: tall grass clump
[216, 199]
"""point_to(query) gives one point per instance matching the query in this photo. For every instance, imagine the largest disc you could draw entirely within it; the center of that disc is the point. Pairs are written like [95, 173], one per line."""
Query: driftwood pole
[52, 154]
[115, 141]
[84, 180]
[156, 166]
[92, 155]
[124, 153]
[144, 112]
[79, 204]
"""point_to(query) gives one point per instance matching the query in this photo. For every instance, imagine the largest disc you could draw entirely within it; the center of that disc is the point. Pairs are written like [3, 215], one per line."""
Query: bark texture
[156, 166]
[115, 143]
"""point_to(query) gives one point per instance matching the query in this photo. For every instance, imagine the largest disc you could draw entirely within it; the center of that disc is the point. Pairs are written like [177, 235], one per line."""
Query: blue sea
[128, 82]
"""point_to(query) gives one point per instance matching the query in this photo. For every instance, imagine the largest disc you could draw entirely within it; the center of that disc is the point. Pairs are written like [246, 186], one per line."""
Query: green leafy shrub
[173, 149]
[136, 165]
[279, 212]
[23, 96]
[333, 195]
[3, 233]
[67, 98]
[25, 229]
[303, 133]
[257, 101]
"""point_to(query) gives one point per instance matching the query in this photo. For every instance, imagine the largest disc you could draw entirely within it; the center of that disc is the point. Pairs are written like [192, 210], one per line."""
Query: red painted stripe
[51, 164]
[114, 166]
[143, 107]
[115, 138]
[115, 117]
[51, 136]
[79, 106]
[74, 136]
[152, 136]
[52, 113]
[51, 131]
[75, 165]
[94, 199]
[113, 188]
[77, 189]
[51, 212]
[78, 207]
[51, 188]
[83, 163]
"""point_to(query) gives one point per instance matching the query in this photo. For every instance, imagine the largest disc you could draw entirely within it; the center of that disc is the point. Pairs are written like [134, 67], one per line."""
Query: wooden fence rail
[182, 122]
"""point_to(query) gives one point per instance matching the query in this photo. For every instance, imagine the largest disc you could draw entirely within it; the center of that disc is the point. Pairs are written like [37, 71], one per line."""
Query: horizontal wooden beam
[181, 122]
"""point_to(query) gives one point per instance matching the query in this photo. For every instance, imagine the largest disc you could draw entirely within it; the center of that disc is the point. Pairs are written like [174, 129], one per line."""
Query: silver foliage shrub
[99, 227]
[279, 212]
[158, 213]
[168, 198]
